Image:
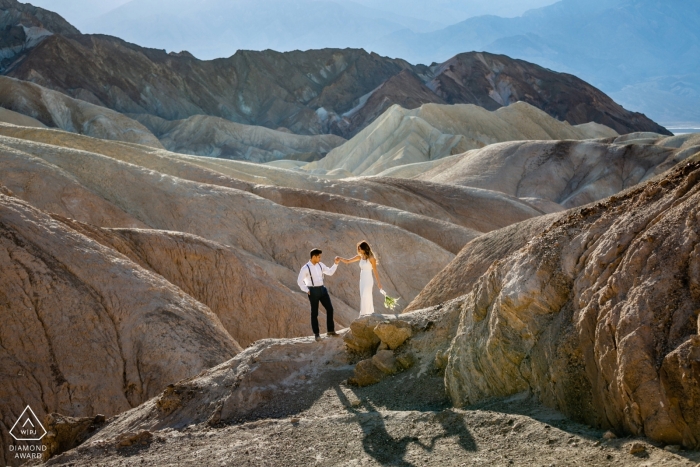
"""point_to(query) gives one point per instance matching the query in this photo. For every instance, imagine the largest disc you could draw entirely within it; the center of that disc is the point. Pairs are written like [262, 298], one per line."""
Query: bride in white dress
[368, 268]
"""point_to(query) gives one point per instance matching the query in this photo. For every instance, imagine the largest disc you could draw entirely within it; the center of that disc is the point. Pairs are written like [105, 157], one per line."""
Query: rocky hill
[312, 92]
[24, 26]
[431, 132]
[570, 173]
[596, 315]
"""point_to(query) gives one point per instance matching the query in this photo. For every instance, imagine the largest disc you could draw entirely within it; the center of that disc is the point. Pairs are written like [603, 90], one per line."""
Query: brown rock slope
[58, 110]
[24, 25]
[307, 92]
[72, 340]
[597, 315]
[404, 89]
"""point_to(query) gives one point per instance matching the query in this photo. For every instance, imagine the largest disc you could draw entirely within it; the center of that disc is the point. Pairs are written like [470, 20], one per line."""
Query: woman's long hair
[366, 250]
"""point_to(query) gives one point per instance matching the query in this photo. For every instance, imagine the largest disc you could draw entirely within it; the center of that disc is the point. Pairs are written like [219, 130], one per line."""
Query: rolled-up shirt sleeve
[300, 280]
[329, 271]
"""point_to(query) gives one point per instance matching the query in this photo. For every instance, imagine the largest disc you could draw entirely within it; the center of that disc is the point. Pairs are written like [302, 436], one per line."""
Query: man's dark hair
[315, 252]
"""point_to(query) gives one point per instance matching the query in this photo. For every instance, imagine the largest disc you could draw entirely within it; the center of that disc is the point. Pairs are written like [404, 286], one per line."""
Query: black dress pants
[320, 294]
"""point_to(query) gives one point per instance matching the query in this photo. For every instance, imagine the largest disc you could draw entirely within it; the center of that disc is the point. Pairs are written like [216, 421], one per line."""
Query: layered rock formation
[231, 216]
[58, 110]
[567, 172]
[72, 340]
[597, 315]
[423, 208]
[215, 137]
[431, 132]
[312, 92]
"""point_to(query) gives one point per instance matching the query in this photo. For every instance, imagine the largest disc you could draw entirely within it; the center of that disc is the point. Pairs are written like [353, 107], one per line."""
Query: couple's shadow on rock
[384, 448]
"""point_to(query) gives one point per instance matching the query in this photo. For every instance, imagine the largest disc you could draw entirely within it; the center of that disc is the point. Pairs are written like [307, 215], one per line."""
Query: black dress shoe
[318, 338]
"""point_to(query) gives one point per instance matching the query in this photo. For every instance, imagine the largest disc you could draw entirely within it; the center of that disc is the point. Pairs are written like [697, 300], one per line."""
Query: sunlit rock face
[596, 315]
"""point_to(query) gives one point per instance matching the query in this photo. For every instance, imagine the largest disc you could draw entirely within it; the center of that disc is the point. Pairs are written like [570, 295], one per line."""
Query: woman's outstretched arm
[373, 261]
[350, 260]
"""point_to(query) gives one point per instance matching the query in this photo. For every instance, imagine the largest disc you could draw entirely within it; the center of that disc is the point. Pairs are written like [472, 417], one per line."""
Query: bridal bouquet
[390, 302]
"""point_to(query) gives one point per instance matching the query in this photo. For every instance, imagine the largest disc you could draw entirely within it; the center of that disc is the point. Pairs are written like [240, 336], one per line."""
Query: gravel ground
[403, 421]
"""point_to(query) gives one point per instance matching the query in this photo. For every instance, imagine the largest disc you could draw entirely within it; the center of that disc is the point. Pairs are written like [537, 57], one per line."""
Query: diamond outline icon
[37, 421]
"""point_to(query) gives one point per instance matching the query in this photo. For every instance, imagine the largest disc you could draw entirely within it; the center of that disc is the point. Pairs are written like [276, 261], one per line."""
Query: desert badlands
[155, 210]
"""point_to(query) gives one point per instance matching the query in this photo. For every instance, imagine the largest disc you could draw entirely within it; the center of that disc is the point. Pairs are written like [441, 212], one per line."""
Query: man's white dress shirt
[317, 272]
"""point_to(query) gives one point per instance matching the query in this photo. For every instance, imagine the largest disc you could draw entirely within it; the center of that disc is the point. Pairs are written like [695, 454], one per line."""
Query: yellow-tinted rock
[393, 333]
[361, 337]
[385, 361]
[366, 374]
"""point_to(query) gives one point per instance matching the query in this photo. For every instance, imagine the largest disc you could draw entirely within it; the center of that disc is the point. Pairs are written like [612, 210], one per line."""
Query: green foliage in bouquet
[390, 302]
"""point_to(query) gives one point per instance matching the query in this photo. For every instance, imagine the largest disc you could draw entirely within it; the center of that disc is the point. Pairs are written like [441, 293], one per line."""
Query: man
[311, 282]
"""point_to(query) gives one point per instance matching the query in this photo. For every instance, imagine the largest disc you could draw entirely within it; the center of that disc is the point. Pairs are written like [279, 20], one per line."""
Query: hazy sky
[80, 12]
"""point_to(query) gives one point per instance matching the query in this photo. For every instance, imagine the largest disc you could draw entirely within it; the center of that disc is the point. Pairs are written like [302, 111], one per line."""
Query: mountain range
[313, 92]
[644, 53]
[281, 25]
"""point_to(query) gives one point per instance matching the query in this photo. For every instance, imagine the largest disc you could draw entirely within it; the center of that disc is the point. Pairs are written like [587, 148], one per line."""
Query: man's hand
[337, 259]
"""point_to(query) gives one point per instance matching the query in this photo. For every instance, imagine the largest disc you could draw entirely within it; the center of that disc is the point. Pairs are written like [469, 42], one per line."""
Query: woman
[368, 264]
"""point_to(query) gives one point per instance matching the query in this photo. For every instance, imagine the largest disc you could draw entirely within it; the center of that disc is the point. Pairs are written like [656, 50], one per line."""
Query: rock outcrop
[215, 137]
[458, 277]
[596, 315]
[64, 433]
[55, 109]
[432, 131]
[73, 341]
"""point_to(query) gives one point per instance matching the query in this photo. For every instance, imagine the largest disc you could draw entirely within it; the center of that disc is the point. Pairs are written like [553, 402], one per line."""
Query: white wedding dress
[366, 286]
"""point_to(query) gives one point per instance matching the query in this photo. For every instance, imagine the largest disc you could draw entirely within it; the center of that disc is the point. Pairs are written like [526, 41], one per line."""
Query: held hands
[337, 259]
